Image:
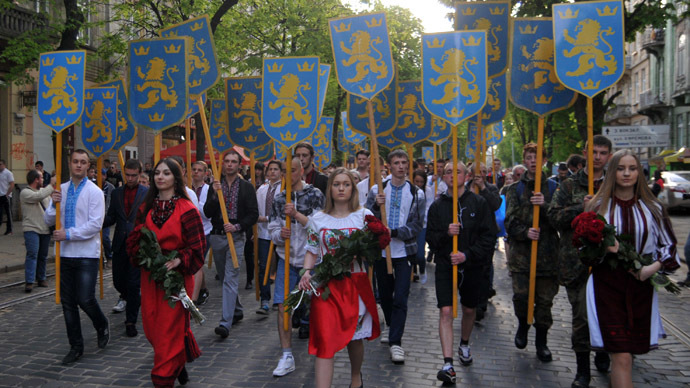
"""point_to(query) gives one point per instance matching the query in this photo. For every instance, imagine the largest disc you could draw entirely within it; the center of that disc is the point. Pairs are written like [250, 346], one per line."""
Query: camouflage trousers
[578, 301]
[545, 290]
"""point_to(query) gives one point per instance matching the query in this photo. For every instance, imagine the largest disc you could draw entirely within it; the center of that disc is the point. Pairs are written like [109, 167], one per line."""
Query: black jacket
[477, 233]
[320, 181]
[247, 208]
[116, 216]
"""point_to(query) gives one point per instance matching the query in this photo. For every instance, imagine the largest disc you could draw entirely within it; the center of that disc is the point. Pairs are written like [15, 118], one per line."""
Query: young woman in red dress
[622, 306]
[168, 212]
[349, 314]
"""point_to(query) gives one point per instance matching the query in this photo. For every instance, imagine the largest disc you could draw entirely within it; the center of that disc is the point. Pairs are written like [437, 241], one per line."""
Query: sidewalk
[12, 250]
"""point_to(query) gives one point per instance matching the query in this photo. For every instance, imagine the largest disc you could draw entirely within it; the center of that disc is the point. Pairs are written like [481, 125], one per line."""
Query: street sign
[635, 136]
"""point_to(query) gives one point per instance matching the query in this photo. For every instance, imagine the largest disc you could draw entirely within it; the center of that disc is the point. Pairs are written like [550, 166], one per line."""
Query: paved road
[33, 341]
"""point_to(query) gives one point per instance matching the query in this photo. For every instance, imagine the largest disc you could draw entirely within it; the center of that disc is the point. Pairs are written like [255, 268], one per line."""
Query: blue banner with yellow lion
[362, 53]
[99, 122]
[193, 105]
[494, 18]
[589, 45]
[428, 154]
[219, 124]
[389, 141]
[265, 152]
[350, 135]
[493, 134]
[126, 131]
[243, 100]
[157, 82]
[322, 141]
[414, 121]
[496, 100]
[324, 73]
[385, 111]
[440, 130]
[60, 96]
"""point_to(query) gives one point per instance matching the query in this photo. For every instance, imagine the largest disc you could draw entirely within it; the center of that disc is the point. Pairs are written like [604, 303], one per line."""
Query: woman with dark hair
[349, 314]
[173, 218]
[622, 306]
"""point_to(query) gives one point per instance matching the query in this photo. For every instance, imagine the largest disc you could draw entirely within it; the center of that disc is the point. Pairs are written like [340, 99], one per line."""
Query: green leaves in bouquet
[152, 259]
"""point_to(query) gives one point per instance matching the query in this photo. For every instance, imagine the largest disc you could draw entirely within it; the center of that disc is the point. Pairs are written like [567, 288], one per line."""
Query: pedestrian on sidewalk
[174, 219]
[405, 205]
[521, 197]
[6, 190]
[82, 213]
[622, 308]
[476, 231]
[34, 200]
[200, 293]
[420, 180]
[122, 212]
[306, 200]
[349, 314]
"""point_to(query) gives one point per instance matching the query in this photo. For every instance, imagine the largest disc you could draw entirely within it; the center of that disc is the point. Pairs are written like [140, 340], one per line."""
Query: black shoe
[248, 286]
[684, 283]
[303, 332]
[447, 375]
[543, 352]
[73, 355]
[103, 336]
[222, 331]
[203, 297]
[521, 335]
[28, 287]
[183, 377]
[602, 361]
[42, 283]
[583, 375]
[131, 330]
[479, 315]
[492, 293]
[237, 318]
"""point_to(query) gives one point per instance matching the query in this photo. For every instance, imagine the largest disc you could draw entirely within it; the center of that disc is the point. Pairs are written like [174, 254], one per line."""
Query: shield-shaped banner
[203, 71]
[61, 88]
[534, 86]
[344, 145]
[157, 82]
[385, 111]
[589, 45]
[99, 122]
[350, 135]
[362, 54]
[472, 137]
[494, 18]
[496, 101]
[243, 99]
[322, 140]
[219, 126]
[126, 131]
[389, 141]
[454, 77]
[493, 134]
[428, 154]
[193, 105]
[414, 121]
[265, 152]
[290, 98]
[281, 151]
[324, 73]
[440, 130]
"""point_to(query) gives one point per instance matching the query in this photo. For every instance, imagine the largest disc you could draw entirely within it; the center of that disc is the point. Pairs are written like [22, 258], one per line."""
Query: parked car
[676, 192]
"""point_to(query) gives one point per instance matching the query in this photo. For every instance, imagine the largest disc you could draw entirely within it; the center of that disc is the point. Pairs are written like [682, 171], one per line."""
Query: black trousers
[5, 210]
[127, 281]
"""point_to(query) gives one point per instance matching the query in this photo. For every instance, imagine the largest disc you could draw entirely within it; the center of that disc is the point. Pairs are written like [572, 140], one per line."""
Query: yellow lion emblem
[220, 124]
[155, 71]
[320, 136]
[199, 61]
[493, 51]
[381, 105]
[451, 71]
[95, 123]
[411, 111]
[247, 111]
[492, 96]
[287, 100]
[57, 89]
[542, 59]
[360, 53]
[589, 33]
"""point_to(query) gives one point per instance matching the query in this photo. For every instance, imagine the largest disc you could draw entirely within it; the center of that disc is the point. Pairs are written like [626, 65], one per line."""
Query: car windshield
[679, 177]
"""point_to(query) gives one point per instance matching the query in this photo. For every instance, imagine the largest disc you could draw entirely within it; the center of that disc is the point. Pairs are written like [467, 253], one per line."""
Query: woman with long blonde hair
[622, 306]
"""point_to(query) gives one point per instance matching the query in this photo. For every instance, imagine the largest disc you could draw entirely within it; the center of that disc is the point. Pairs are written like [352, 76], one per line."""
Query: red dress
[168, 329]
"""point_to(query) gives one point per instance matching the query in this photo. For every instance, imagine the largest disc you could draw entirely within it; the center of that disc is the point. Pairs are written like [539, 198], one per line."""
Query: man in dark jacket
[243, 211]
[122, 212]
[476, 230]
[305, 153]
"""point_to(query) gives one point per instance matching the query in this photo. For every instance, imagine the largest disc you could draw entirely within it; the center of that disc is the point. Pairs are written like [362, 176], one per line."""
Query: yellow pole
[210, 258]
[590, 147]
[58, 223]
[270, 248]
[377, 175]
[158, 138]
[252, 173]
[188, 149]
[288, 200]
[372, 167]
[99, 181]
[216, 176]
[454, 151]
[410, 155]
[535, 222]
[121, 159]
[493, 169]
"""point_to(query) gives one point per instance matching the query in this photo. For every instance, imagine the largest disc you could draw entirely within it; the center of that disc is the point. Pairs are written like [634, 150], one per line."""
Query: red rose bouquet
[593, 236]
[365, 243]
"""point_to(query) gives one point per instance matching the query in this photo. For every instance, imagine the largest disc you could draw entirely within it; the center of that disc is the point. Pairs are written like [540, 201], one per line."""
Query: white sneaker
[422, 278]
[465, 355]
[285, 366]
[384, 336]
[120, 306]
[397, 354]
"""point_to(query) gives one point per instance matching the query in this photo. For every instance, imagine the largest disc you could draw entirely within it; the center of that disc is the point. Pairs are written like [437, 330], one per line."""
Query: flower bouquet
[593, 236]
[151, 258]
[366, 243]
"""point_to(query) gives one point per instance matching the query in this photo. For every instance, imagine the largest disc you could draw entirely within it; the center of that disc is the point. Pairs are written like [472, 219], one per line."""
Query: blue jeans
[78, 289]
[421, 249]
[393, 292]
[265, 291]
[36, 253]
[107, 244]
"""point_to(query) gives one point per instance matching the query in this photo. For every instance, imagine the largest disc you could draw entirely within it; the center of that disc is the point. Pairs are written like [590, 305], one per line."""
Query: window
[636, 86]
[643, 81]
[41, 6]
[680, 128]
[85, 31]
[630, 93]
[681, 58]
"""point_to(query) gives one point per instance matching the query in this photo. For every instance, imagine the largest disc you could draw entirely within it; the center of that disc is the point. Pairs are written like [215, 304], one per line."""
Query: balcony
[653, 105]
[17, 20]
[620, 111]
[653, 41]
[628, 62]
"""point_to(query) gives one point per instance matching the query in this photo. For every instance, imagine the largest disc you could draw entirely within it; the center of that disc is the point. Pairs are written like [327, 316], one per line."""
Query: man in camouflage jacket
[520, 200]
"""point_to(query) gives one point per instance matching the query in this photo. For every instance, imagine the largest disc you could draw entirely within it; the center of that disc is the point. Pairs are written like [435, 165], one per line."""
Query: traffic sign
[635, 136]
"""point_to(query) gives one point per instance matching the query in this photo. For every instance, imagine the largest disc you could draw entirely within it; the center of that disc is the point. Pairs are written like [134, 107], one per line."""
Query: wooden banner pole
[99, 182]
[372, 165]
[410, 155]
[121, 159]
[58, 222]
[255, 228]
[377, 175]
[216, 176]
[188, 149]
[271, 246]
[590, 147]
[454, 151]
[535, 222]
[288, 200]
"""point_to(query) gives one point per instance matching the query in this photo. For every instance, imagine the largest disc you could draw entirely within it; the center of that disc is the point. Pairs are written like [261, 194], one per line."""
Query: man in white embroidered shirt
[82, 212]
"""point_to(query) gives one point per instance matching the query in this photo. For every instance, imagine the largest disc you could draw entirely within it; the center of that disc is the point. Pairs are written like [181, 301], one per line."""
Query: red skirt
[333, 321]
